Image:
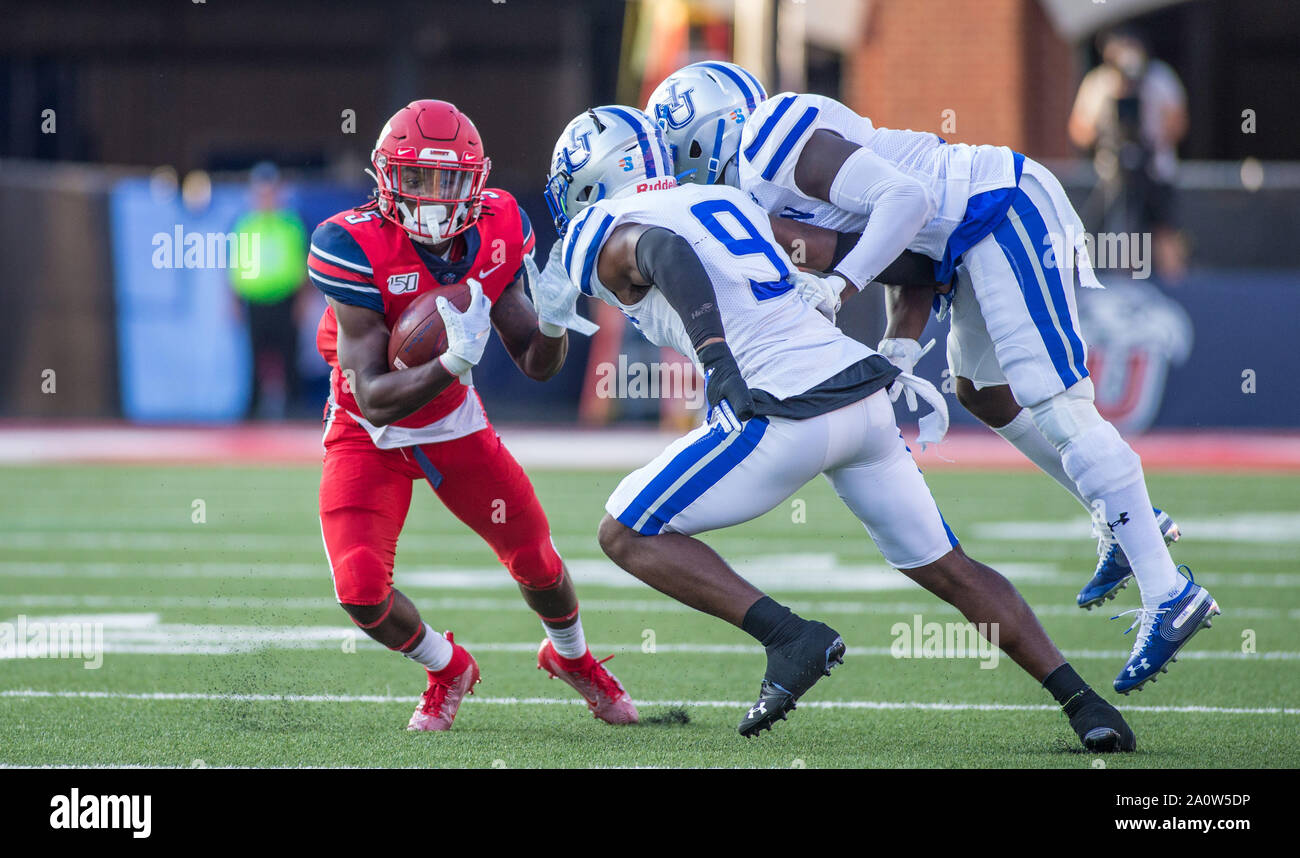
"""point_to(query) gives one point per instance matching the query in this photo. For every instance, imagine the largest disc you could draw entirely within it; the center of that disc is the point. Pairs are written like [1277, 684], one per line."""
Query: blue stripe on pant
[430, 472]
[1060, 336]
[656, 512]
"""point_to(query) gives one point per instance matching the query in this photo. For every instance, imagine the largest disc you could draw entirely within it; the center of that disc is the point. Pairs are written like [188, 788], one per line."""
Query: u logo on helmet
[679, 109]
[580, 146]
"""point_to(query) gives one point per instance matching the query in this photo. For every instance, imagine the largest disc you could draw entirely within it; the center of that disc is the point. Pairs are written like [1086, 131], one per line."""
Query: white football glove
[555, 298]
[904, 354]
[467, 332]
[821, 293]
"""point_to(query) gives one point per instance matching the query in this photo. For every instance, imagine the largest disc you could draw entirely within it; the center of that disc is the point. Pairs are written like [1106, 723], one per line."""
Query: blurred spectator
[1131, 112]
[270, 292]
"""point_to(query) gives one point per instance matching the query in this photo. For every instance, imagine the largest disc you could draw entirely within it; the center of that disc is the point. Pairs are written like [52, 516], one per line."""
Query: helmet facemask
[604, 153]
[433, 200]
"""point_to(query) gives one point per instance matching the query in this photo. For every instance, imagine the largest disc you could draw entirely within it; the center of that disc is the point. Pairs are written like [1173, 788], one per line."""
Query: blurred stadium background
[124, 128]
[149, 120]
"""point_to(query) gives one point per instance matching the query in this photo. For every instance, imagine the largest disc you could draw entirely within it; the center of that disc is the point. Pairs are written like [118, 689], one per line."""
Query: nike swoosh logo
[486, 271]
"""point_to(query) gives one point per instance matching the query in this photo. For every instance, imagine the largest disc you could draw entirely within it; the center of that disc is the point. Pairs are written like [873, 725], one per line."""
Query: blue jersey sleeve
[338, 267]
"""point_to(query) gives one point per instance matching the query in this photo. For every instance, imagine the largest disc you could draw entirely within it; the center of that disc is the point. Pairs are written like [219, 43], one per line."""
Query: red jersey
[358, 257]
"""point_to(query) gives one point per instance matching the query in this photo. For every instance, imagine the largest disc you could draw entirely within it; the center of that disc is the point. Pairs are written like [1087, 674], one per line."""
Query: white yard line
[223, 768]
[100, 569]
[1279, 528]
[144, 633]
[790, 572]
[28, 693]
[324, 602]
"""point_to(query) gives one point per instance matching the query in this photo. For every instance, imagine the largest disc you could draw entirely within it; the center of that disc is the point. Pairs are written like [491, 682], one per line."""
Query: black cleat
[792, 669]
[1099, 725]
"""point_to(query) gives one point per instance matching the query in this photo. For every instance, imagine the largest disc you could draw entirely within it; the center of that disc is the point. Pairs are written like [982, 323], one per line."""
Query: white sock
[1109, 475]
[1143, 543]
[568, 642]
[434, 651]
[1023, 434]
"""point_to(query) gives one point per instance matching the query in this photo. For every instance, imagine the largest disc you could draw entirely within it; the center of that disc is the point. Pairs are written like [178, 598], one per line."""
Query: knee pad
[362, 577]
[1068, 415]
[535, 564]
[1100, 460]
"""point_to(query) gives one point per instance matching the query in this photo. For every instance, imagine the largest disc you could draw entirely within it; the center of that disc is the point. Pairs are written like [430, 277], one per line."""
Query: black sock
[1064, 684]
[770, 622]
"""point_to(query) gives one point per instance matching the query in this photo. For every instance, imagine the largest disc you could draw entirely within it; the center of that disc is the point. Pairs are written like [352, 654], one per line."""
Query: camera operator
[1131, 112]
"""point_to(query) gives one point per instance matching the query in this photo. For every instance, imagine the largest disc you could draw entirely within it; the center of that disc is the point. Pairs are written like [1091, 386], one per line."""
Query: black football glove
[725, 387]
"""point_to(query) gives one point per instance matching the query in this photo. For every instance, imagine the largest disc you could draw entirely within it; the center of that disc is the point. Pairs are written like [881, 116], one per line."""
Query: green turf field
[224, 646]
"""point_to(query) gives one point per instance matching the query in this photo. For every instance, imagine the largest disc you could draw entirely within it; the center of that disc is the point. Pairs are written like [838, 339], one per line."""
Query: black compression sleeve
[668, 262]
[909, 269]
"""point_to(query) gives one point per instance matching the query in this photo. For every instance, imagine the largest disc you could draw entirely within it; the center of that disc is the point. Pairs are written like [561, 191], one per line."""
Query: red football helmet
[431, 170]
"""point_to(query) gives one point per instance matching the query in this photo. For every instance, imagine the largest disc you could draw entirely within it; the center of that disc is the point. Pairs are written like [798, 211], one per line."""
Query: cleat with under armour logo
[1100, 727]
[1113, 572]
[442, 699]
[792, 669]
[1163, 632]
[605, 695]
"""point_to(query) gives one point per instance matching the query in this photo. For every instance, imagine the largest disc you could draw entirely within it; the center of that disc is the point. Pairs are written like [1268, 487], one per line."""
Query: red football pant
[365, 494]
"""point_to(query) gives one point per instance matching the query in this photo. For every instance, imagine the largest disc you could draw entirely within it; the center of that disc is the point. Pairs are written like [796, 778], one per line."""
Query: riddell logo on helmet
[656, 185]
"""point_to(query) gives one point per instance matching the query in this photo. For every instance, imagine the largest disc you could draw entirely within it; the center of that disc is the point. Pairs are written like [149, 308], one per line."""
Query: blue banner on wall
[182, 343]
[1215, 351]
[183, 346]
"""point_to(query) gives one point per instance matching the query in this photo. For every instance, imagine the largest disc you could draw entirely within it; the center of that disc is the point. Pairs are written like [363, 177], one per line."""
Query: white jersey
[951, 173]
[782, 345]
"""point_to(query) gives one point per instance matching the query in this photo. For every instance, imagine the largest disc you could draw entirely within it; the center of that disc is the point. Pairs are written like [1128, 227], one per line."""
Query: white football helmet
[606, 152]
[702, 109]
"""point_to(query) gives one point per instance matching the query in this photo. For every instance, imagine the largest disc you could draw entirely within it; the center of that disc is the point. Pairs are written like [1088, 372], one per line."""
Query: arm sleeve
[897, 205]
[338, 267]
[670, 264]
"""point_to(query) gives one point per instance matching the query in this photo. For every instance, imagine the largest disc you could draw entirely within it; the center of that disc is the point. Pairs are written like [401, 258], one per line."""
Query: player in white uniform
[998, 222]
[697, 268]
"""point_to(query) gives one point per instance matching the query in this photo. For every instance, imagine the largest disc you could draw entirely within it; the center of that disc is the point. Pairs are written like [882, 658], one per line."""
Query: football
[420, 335]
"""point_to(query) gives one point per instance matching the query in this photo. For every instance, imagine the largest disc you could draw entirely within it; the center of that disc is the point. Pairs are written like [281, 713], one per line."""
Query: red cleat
[604, 694]
[442, 698]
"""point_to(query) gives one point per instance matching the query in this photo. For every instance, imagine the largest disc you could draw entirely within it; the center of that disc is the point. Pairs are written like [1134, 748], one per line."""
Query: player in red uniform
[434, 223]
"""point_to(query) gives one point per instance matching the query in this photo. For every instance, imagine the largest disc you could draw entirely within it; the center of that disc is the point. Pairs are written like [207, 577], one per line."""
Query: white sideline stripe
[31, 693]
[43, 600]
